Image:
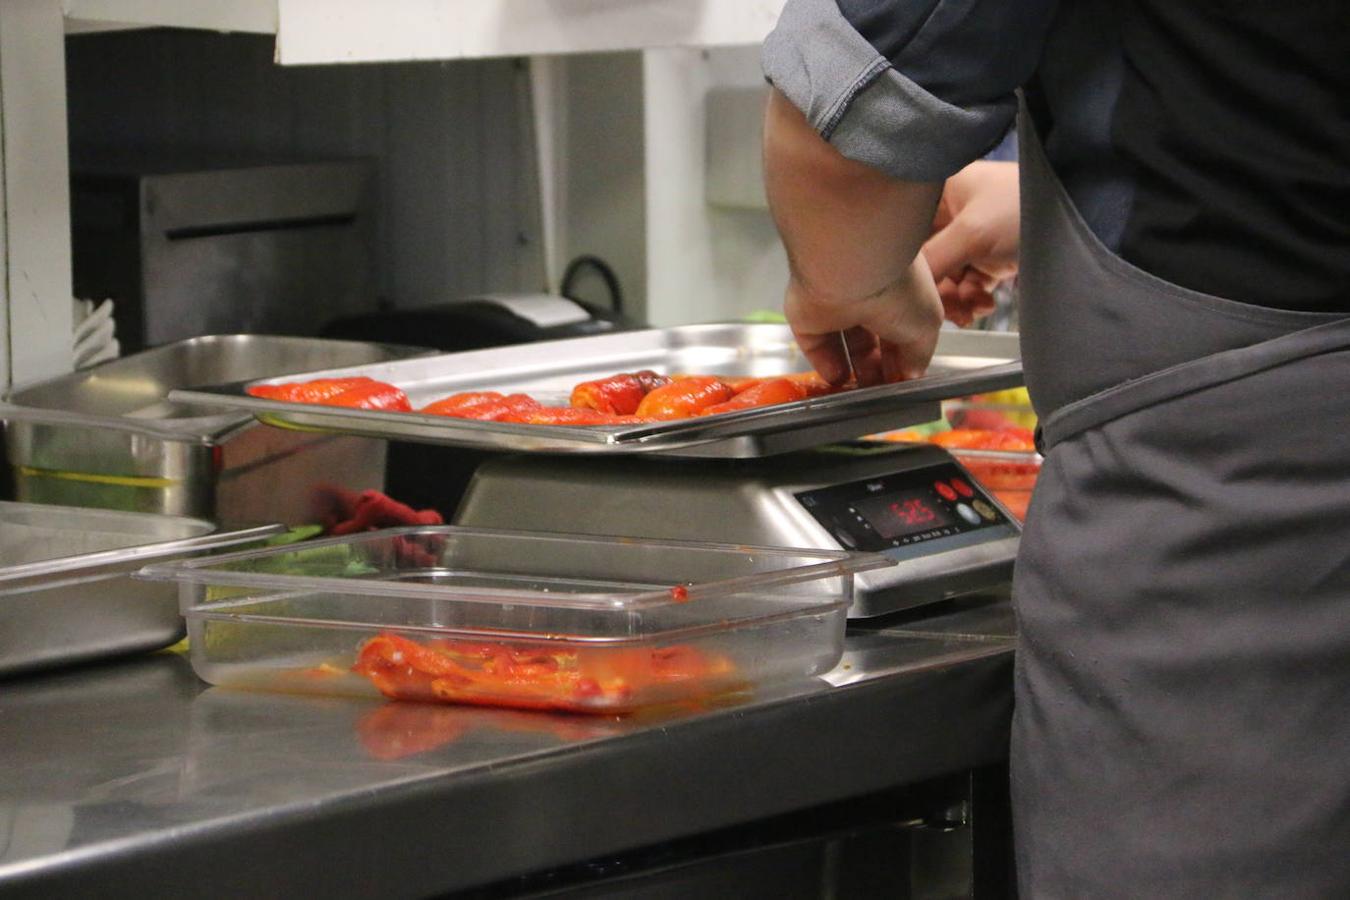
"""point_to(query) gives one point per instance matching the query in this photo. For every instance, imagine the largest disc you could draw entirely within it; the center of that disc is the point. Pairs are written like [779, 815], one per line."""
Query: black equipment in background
[426, 476]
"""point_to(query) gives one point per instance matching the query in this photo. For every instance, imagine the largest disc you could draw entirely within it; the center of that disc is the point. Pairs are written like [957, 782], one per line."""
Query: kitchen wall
[707, 259]
[457, 210]
[455, 147]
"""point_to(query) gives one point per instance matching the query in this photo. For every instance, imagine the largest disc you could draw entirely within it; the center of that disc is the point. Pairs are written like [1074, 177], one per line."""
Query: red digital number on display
[914, 512]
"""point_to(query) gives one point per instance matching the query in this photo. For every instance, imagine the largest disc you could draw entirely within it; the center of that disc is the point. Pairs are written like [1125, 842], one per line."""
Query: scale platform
[914, 503]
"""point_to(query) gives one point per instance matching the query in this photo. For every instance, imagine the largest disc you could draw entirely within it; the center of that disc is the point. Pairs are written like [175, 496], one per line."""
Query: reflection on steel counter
[399, 730]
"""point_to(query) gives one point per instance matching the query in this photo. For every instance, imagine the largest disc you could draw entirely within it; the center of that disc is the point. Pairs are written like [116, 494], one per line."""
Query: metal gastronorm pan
[66, 592]
[107, 437]
[966, 363]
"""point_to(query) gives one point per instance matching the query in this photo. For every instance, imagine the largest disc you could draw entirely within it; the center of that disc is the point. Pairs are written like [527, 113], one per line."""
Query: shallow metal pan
[966, 363]
[66, 591]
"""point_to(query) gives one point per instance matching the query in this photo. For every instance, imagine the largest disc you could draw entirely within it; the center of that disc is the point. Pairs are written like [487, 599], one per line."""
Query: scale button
[962, 488]
[968, 514]
[985, 510]
[846, 539]
[945, 490]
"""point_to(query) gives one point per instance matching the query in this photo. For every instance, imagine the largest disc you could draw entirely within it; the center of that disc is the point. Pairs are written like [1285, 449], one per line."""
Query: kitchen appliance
[915, 505]
[476, 323]
[761, 476]
[109, 437]
[219, 247]
[66, 592]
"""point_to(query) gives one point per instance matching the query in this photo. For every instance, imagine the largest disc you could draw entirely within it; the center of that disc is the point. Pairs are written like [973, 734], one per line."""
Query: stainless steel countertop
[136, 777]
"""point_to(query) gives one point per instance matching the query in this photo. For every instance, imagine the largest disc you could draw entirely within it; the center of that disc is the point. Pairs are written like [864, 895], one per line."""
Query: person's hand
[975, 238]
[890, 335]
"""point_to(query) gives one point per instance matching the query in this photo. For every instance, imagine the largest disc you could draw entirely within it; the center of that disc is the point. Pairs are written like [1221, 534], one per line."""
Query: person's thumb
[949, 250]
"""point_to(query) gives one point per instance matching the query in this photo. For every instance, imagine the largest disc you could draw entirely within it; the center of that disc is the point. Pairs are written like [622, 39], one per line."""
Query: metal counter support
[135, 777]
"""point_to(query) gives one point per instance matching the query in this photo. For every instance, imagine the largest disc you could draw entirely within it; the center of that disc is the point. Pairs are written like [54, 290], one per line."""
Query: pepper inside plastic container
[992, 436]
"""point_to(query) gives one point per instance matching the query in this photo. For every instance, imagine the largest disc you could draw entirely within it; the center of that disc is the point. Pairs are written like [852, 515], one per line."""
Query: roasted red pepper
[456, 405]
[358, 392]
[815, 386]
[376, 395]
[766, 393]
[622, 399]
[317, 391]
[570, 415]
[618, 394]
[489, 409]
[684, 398]
[374, 510]
[499, 675]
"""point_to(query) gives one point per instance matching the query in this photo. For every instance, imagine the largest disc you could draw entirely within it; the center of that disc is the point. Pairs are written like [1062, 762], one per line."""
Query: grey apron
[1182, 726]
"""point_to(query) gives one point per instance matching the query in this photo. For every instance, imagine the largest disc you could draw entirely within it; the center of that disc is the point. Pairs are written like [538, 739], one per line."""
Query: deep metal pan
[966, 363]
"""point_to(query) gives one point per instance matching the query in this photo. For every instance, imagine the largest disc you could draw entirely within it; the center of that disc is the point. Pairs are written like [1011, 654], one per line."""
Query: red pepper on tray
[456, 405]
[317, 391]
[482, 406]
[358, 392]
[376, 395]
[622, 399]
[618, 394]
[684, 397]
[571, 415]
[766, 393]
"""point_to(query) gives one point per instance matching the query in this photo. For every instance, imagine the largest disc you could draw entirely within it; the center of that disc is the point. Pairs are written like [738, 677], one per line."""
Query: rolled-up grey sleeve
[877, 107]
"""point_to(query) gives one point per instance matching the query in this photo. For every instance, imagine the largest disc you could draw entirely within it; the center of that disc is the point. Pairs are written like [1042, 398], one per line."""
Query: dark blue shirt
[1204, 141]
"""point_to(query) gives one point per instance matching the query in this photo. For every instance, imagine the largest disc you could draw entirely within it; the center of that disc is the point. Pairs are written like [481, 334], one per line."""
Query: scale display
[898, 515]
[902, 509]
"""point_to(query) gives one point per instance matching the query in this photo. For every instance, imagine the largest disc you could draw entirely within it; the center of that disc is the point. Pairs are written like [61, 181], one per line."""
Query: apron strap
[1190, 377]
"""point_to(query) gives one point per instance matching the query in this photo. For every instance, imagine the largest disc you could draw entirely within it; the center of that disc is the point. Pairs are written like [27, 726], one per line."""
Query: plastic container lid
[612, 588]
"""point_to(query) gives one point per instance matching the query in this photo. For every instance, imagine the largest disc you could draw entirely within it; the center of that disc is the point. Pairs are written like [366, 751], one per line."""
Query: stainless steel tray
[966, 363]
[132, 394]
[108, 436]
[66, 591]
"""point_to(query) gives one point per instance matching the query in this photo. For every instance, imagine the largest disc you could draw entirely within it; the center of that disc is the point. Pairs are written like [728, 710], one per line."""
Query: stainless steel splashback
[268, 249]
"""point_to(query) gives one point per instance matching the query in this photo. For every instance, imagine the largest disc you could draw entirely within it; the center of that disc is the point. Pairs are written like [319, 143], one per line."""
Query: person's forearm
[850, 231]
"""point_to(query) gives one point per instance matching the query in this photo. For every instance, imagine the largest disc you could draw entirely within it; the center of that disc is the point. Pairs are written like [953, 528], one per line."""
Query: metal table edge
[376, 843]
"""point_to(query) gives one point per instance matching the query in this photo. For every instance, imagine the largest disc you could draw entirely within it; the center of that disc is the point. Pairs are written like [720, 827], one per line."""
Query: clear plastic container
[500, 618]
[1008, 474]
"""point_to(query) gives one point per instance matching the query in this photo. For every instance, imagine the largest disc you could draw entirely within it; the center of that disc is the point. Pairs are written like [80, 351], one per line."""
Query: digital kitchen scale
[914, 503]
[786, 475]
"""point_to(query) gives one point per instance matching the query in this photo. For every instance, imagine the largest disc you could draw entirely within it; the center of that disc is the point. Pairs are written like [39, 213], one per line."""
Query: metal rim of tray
[861, 407]
[210, 571]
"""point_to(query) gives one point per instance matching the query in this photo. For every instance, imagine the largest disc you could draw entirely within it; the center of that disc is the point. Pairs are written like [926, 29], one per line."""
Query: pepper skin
[456, 404]
[376, 395]
[684, 398]
[499, 675]
[766, 393]
[618, 394]
[359, 393]
[569, 415]
[499, 410]
[815, 386]
[317, 391]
